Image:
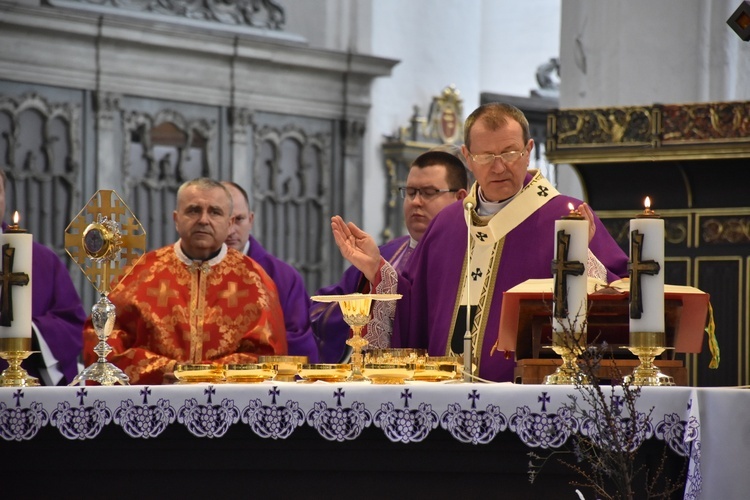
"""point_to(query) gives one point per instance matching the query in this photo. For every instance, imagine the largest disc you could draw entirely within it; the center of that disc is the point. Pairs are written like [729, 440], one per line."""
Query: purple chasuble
[430, 283]
[294, 301]
[57, 313]
[329, 326]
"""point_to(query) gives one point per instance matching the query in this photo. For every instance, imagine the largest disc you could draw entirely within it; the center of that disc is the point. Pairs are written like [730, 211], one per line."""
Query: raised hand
[356, 246]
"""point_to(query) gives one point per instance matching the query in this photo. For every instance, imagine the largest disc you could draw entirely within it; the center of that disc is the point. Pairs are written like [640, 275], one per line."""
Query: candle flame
[647, 202]
[15, 218]
[571, 207]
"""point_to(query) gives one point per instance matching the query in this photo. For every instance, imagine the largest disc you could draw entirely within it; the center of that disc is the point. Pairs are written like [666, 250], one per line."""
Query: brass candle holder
[568, 346]
[647, 346]
[14, 351]
[355, 308]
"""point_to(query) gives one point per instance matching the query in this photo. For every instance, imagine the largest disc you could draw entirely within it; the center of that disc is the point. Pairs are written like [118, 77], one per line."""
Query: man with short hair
[436, 179]
[292, 293]
[511, 212]
[57, 315]
[196, 301]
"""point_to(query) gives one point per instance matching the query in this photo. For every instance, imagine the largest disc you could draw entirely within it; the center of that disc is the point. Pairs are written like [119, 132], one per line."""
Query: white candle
[648, 272]
[15, 244]
[571, 232]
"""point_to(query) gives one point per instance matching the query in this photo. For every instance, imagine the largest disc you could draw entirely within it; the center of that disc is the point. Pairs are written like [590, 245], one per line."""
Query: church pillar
[108, 158]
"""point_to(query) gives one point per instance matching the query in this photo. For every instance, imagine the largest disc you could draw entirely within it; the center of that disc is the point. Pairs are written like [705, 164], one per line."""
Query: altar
[321, 439]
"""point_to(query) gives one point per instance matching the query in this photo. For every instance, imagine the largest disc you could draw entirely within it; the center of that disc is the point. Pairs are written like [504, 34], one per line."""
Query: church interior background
[318, 106]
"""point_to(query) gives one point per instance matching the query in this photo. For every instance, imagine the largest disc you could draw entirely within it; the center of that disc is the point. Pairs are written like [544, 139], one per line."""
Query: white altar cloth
[709, 425]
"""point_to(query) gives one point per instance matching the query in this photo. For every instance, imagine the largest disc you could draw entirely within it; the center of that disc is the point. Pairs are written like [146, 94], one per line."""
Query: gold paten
[199, 372]
[389, 373]
[439, 369]
[250, 373]
[324, 372]
[287, 367]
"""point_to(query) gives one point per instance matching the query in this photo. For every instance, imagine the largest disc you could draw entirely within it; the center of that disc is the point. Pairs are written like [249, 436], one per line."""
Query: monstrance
[105, 239]
[355, 308]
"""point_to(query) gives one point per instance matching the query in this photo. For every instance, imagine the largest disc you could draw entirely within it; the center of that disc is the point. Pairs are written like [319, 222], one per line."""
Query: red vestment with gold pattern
[173, 310]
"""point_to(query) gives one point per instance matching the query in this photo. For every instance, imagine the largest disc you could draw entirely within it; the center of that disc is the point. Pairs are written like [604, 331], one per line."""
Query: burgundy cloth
[331, 331]
[294, 301]
[56, 311]
[430, 282]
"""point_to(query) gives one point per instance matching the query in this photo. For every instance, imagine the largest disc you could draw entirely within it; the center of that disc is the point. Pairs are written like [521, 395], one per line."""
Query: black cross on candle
[10, 279]
[561, 269]
[637, 267]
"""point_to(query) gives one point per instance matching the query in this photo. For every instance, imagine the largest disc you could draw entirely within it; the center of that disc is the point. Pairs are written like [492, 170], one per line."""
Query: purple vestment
[329, 326]
[430, 283]
[294, 301]
[57, 313]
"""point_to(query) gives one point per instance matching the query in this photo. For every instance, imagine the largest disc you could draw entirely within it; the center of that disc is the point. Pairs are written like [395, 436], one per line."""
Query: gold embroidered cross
[231, 294]
[164, 293]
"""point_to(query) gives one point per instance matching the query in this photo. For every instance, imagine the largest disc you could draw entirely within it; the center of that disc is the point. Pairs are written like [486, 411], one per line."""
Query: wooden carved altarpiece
[693, 160]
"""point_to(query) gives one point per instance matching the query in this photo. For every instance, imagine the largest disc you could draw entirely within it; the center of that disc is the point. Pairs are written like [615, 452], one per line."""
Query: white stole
[487, 238]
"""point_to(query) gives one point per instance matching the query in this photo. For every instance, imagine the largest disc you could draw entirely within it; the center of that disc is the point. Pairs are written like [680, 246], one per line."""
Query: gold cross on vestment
[561, 269]
[637, 267]
[164, 293]
[10, 279]
[231, 294]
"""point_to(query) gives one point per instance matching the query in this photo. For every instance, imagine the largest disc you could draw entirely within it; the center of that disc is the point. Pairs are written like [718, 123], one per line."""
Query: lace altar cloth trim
[471, 413]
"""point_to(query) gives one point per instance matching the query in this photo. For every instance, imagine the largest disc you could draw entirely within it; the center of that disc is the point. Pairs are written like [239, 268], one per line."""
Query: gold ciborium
[568, 345]
[355, 308]
[647, 346]
[105, 240]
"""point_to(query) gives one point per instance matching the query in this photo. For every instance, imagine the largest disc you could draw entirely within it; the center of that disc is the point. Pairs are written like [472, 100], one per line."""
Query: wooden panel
[721, 277]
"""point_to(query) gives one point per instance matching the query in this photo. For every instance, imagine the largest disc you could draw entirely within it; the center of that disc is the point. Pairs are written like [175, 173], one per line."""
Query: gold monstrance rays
[104, 239]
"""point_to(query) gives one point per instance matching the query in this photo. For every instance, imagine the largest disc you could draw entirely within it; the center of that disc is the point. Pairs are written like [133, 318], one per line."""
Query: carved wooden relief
[160, 152]
[290, 197]
[41, 157]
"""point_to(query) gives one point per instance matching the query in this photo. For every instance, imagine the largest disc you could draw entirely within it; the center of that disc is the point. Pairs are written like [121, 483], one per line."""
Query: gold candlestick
[568, 346]
[14, 350]
[647, 346]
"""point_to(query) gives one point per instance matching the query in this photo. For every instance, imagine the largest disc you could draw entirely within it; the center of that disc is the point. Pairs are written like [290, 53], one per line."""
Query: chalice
[355, 308]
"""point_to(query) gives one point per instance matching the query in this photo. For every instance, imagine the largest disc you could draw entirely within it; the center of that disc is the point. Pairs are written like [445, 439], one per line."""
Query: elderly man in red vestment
[196, 301]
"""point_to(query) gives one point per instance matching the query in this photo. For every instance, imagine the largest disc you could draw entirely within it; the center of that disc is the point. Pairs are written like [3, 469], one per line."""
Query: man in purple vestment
[512, 211]
[437, 178]
[292, 293]
[56, 314]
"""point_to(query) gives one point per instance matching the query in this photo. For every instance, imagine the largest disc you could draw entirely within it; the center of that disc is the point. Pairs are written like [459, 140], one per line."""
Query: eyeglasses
[425, 193]
[508, 158]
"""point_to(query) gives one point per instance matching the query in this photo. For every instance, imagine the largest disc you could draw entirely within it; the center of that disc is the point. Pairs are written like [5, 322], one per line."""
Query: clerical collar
[412, 243]
[490, 207]
[246, 248]
[212, 259]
